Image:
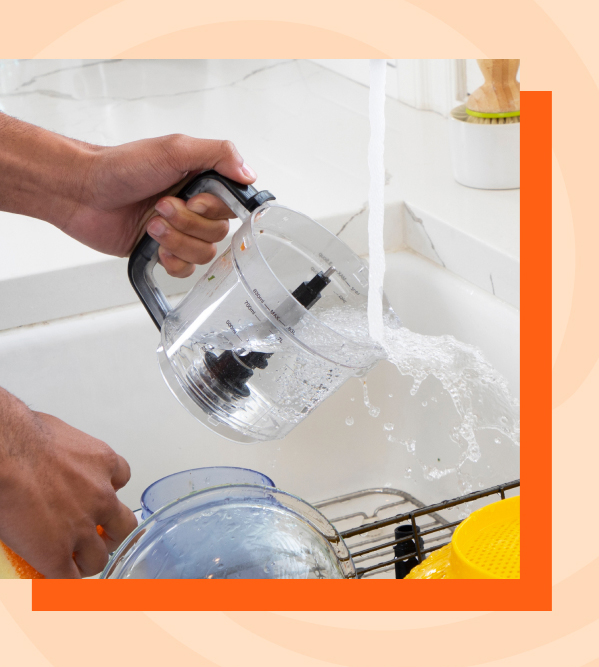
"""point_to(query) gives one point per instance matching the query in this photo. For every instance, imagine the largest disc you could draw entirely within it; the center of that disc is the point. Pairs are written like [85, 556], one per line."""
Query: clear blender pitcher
[266, 334]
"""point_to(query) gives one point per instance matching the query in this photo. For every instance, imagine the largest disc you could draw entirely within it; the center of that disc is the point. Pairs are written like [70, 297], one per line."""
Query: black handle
[241, 199]
[403, 567]
[246, 195]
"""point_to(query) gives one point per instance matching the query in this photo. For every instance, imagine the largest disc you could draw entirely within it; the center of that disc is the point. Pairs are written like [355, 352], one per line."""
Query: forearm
[100, 195]
[42, 173]
[16, 423]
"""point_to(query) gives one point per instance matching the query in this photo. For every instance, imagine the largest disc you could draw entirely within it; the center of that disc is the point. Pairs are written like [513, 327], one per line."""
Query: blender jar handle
[241, 199]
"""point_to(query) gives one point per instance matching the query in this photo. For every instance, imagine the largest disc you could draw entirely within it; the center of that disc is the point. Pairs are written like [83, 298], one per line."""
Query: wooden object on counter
[498, 99]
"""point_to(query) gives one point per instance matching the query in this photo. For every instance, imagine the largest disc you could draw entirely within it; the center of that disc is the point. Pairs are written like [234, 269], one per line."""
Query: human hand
[100, 195]
[56, 485]
[125, 181]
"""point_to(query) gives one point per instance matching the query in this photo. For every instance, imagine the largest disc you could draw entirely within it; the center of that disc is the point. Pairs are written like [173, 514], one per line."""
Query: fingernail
[156, 227]
[165, 208]
[197, 207]
[248, 171]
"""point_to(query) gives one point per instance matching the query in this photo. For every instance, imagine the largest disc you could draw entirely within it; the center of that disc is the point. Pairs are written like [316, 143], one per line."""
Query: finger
[209, 206]
[181, 218]
[91, 555]
[190, 154]
[174, 266]
[118, 526]
[183, 246]
[66, 569]
[121, 473]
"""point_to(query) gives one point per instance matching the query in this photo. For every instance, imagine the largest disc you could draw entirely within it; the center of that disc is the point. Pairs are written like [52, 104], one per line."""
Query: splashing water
[479, 394]
[372, 410]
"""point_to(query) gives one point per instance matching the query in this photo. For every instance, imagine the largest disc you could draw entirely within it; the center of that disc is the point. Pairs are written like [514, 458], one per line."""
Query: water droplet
[391, 438]
[352, 398]
[424, 404]
[408, 473]
[388, 426]
[410, 445]
[349, 421]
[497, 441]
[390, 395]
[372, 411]
[474, 453]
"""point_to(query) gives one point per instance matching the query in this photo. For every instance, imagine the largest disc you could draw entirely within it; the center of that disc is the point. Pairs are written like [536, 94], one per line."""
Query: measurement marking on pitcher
[230, 325]
[272, 311]
[340, 274]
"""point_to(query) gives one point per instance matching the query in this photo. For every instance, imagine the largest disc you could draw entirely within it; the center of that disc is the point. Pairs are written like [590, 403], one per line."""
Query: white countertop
[302, 127]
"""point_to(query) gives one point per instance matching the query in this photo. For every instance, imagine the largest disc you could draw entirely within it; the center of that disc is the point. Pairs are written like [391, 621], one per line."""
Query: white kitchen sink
[99, 372]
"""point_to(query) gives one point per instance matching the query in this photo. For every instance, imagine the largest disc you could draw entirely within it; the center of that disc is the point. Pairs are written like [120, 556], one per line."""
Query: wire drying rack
[367, 520]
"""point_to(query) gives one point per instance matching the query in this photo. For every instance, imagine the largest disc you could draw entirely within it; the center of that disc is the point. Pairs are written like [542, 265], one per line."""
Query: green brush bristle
[492, 118]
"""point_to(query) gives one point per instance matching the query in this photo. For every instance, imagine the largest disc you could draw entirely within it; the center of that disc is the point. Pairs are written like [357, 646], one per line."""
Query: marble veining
[420, 222]
[352, 218]
[79, 66]
[113, 98]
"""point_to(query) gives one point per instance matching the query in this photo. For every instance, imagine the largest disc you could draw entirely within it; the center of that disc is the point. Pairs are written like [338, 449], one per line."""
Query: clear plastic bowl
[181, 484]
[234, 532]
[244, 304]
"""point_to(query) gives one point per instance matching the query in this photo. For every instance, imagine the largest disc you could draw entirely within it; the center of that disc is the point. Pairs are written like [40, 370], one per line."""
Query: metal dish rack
[367, 519]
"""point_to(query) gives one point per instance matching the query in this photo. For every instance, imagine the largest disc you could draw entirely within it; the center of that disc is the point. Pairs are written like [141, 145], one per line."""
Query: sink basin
[99, 372]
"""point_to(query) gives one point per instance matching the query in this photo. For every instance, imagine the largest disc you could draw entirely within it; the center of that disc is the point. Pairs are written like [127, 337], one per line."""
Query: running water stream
[376, 198]
[479, 394]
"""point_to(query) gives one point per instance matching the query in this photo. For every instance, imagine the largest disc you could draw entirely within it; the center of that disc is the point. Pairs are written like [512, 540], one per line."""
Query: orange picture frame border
[532, 592]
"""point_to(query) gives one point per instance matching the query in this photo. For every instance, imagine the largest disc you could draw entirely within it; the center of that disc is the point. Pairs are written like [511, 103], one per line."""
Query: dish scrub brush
[13, 566]
[497, 101]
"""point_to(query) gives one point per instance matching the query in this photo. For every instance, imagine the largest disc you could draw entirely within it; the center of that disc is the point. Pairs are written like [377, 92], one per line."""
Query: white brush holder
[484, 156]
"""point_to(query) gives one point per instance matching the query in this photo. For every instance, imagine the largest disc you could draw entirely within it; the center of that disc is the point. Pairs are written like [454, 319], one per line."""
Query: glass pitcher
[273, 328]
[236, 531]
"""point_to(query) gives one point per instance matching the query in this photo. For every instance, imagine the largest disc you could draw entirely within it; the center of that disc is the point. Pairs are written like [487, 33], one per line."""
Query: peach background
[557, 42]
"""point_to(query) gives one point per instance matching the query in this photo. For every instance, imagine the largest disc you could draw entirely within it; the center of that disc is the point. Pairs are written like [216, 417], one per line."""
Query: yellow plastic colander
[484, 546]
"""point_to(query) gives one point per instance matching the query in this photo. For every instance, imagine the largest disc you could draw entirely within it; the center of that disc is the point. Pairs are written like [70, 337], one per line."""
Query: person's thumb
[194, 155]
